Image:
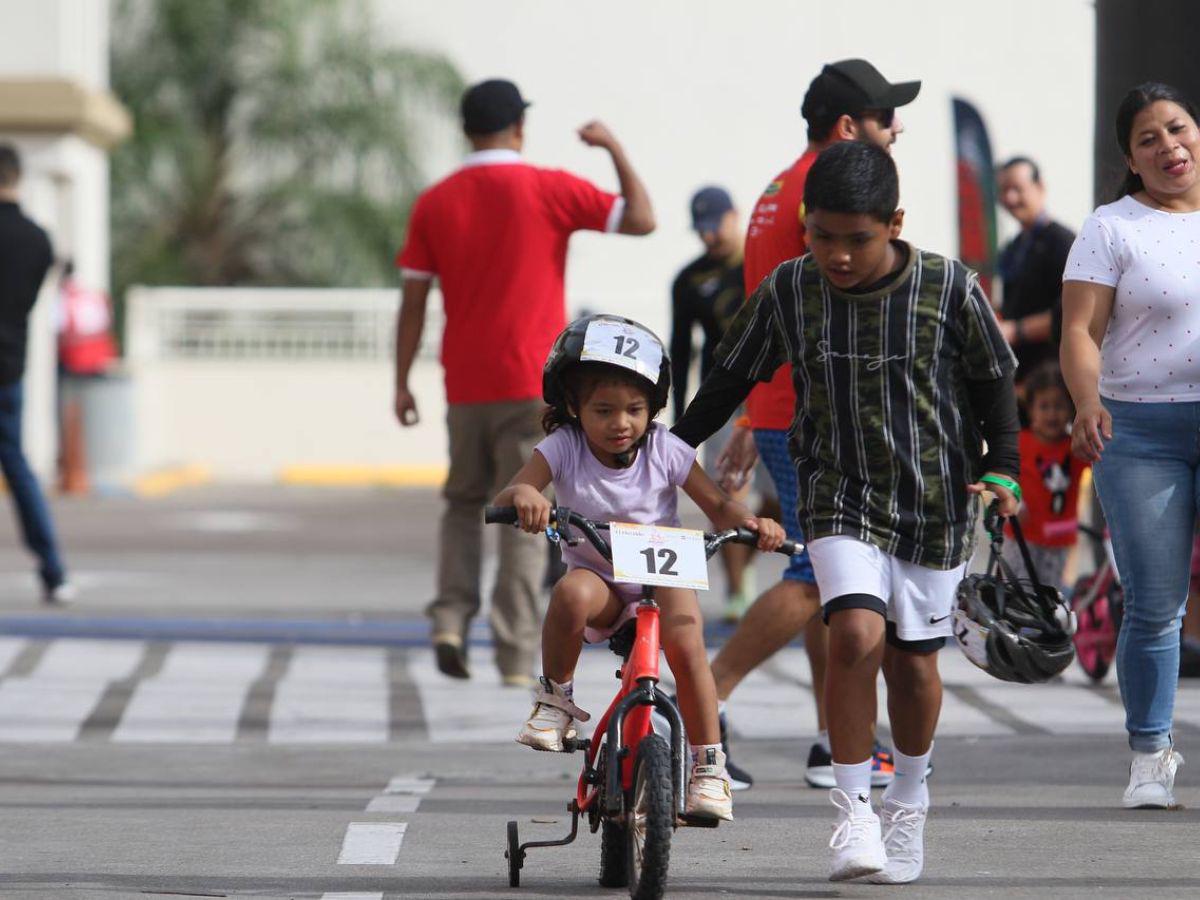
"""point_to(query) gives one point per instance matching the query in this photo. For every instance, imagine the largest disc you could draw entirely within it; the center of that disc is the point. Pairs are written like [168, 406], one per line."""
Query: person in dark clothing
[25, 258]
[708, 291]
[1031, 267]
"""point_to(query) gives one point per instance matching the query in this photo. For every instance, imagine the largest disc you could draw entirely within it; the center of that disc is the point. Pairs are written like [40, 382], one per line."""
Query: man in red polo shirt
[495, 234]
[848, 101]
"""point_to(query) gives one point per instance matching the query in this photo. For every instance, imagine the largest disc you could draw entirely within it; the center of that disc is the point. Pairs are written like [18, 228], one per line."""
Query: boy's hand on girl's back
[532, 508]
[770, 533]
[1009, 504]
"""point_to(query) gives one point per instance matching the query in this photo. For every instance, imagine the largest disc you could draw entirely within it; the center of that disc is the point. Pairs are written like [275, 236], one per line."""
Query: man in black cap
[708, 293]
[495, 235]
[848, 101]
[25, 258]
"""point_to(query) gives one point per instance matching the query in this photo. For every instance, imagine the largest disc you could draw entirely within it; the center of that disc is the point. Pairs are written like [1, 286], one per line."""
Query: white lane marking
[351, 895]
[403, 794]
[394, 803]
[10, 647]
[196, 698]
[408, 784]
[52, 703]
[485, 710]
[372, 843]
[332, 695]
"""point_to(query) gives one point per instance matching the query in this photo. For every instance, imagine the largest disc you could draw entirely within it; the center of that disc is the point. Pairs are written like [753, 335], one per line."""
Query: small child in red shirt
[1049, 478]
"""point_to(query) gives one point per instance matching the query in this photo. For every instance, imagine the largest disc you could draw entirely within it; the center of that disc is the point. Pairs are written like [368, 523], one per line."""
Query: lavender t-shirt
[644, 493]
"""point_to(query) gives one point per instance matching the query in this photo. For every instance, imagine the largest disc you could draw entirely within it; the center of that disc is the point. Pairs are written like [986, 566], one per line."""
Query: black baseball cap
[709, 204]
[491, 106]
[850, 86]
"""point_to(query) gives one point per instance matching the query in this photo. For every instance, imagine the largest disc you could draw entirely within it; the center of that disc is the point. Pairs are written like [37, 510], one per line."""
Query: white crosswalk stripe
[202, 693]
[214, 679]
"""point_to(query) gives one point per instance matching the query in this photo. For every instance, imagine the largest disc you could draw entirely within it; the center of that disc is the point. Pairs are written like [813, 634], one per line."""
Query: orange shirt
[775, 235]
[1050, 490]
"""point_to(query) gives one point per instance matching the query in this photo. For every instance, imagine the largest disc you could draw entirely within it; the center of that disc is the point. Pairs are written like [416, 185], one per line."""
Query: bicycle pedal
[697, 821]
[570, 745]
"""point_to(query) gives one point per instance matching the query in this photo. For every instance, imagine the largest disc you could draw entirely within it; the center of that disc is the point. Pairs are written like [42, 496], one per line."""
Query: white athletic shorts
[916, 601]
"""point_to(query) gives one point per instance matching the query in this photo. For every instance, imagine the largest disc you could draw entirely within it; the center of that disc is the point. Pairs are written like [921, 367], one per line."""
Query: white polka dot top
[1151, 351]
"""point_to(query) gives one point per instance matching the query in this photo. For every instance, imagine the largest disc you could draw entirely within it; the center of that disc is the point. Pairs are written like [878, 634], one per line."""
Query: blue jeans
[1148, 480]
[32, 512]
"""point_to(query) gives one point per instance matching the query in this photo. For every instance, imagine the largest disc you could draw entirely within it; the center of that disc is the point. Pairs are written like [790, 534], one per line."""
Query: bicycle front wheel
[651, 820]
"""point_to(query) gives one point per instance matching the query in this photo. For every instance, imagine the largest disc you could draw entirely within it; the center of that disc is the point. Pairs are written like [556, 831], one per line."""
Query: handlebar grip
[500, 515]
[750, 539]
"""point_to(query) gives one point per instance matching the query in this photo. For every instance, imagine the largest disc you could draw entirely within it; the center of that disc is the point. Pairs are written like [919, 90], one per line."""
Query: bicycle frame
[628, 720]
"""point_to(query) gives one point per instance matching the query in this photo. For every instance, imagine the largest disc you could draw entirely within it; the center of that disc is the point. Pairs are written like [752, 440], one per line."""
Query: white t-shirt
[1151, 351]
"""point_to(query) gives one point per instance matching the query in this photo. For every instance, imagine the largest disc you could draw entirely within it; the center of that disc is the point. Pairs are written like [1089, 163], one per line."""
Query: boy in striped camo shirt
[901, 374]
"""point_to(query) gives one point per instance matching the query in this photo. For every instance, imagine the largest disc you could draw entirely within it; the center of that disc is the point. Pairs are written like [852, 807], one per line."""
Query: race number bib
[621, 344]
[652, 554]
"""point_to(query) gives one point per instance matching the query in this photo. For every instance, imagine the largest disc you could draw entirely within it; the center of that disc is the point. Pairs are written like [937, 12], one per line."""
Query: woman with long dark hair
[1131, 358]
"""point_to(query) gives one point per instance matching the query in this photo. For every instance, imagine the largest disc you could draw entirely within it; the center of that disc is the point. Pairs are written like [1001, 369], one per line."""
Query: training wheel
[514, 856]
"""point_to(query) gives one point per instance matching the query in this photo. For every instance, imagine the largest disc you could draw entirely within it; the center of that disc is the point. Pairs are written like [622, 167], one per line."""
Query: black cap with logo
[491, 106]
[850, 86]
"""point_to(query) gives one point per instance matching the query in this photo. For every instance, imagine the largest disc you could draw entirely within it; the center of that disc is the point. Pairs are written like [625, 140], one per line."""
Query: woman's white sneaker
[1152, 780]
[903, 842]
[857, 842]
[552, 720]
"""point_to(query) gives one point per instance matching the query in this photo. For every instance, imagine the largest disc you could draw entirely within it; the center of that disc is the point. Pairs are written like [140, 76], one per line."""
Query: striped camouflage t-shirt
[883, 440]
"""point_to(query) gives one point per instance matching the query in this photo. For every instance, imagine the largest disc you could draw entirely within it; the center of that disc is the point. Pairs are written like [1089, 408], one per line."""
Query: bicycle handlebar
[507, 515]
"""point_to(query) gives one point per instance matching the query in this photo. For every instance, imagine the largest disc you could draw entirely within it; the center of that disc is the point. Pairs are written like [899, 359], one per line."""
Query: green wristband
[1004, 482]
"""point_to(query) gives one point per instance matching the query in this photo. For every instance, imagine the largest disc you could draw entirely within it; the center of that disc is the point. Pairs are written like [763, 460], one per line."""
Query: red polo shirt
[495, 235]
[775, 235]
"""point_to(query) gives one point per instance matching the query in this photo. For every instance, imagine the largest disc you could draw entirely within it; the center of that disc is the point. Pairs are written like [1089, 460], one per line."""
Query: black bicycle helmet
[616, 341]
[1015, 629]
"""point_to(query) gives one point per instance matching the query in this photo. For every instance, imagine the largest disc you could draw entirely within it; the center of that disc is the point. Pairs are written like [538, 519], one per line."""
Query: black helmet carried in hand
[1015, 629]
[614, 341]
[1013, 632]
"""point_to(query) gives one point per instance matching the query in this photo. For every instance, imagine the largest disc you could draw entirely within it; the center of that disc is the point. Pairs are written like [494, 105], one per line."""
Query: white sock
[855, 780]
[823, 740]
[699, 754]
[567, 687]
[908, 786]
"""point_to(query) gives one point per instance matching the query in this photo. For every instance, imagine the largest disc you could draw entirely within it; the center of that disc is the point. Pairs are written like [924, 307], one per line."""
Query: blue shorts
[773, 450]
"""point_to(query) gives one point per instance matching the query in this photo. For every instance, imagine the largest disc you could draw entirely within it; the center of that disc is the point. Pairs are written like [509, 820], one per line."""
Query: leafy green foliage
[275, 142]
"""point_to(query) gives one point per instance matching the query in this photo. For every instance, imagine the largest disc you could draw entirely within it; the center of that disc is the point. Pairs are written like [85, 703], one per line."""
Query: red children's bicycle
[633, 786]
[1099, 603]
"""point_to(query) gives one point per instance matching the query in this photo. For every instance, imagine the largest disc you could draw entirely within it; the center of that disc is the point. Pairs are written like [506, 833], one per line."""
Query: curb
[167, 481]
[363, 476]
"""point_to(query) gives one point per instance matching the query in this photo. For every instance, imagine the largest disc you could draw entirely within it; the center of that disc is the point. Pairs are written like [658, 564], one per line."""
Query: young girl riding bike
[605, 380]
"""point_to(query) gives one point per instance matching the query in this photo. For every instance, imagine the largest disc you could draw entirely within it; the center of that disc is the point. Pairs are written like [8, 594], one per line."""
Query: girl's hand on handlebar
[770, 533]
[532, 507]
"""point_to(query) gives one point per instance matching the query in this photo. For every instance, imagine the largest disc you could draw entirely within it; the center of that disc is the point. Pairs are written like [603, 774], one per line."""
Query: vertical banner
[976, 177]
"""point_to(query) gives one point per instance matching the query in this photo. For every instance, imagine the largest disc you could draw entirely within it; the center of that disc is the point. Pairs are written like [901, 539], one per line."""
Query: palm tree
[275, 143]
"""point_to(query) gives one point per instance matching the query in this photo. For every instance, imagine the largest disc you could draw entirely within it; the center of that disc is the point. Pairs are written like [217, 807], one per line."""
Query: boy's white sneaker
[903, 842]
[709, 794]
[857, 842]
[552, 720]
[1152, 780]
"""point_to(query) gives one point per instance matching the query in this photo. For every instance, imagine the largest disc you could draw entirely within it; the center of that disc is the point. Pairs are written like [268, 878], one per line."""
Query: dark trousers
[32, 512]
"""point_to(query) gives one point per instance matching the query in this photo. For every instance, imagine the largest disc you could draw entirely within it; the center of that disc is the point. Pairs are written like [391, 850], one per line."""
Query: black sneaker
[819, 771]
[739, 778]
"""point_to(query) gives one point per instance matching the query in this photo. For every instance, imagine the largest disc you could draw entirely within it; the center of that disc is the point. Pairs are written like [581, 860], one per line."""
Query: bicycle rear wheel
[651, 820]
